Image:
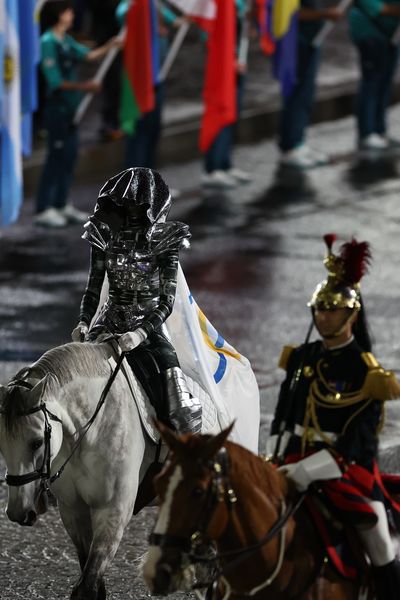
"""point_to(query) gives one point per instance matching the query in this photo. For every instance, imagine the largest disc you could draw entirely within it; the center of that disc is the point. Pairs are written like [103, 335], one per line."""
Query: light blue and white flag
[2, 26]
[30, 57]
[10, 120]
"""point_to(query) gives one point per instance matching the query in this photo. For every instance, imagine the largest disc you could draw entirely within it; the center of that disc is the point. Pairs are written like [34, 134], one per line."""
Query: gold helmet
[341, 289]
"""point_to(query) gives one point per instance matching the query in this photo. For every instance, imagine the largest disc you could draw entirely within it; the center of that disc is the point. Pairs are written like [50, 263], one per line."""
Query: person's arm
[326, 14]
[168, 272]
[390, 10]
[98, 53]
[91, 297]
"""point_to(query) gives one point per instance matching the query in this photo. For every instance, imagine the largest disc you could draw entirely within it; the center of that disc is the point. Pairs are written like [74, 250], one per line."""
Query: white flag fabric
[10, 117]
[219, 369]
[201, 9]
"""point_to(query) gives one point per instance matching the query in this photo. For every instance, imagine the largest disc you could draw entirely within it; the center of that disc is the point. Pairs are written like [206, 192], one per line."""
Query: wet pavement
[255, 258]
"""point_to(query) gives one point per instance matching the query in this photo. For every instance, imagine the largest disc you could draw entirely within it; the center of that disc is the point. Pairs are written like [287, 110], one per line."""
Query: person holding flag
[298, 99]
[60, 54]
[374, 27]
[219, 171]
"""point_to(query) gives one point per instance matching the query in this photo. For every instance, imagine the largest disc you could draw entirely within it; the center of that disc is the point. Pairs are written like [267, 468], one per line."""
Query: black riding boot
[184, 409]
[387, 581]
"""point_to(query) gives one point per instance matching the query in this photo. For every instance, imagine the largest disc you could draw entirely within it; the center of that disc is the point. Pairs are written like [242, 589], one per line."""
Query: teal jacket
[366, 22]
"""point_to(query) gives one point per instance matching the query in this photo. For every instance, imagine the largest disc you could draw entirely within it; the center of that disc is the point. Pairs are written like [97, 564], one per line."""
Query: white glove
[318, 466]
[130, 340]
[79, 333]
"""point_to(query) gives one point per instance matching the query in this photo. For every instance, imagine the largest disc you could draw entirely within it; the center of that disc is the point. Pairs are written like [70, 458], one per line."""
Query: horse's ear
[216, 442]
[169, 436]
[38, 391]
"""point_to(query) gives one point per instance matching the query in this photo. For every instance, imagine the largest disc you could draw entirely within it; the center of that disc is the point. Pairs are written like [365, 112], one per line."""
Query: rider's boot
[387, 581]
[184, 410]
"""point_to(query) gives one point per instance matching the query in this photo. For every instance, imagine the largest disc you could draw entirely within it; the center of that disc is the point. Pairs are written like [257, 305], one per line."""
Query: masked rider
[136, 247]
[330, 411]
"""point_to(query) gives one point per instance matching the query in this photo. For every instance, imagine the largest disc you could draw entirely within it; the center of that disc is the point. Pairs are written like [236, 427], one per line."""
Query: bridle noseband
[43, 473]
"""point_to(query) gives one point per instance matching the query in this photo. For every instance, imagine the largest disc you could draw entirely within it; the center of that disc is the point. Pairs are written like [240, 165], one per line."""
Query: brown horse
[212, 490]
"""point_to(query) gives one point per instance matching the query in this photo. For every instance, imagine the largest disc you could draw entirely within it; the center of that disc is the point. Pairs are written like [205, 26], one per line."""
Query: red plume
[329, 239]
[356, 258]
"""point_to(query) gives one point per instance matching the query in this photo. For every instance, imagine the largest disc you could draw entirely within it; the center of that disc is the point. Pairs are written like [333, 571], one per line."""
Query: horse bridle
[219, 490]
[43, 472]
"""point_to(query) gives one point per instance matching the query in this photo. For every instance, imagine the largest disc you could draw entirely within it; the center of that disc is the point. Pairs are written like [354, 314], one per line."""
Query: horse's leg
[77, 522]
[108, 525]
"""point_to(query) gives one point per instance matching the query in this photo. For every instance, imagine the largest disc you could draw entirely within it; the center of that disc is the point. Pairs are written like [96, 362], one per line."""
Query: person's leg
[67, 172]
[183, 408]
[154, 124]
[111, 98]
[52, 173]
[368, 92]
[295, 115]
[390, 55]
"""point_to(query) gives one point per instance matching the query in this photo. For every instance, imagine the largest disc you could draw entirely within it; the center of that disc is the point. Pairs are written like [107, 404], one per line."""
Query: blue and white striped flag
[10, 119]
[30, 57]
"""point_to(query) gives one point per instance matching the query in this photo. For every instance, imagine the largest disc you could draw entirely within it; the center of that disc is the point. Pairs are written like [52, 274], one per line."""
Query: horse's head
[195, 496]
[28, 443]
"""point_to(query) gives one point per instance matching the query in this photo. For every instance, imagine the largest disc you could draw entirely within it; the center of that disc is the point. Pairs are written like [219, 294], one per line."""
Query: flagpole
[174, 49]
[327, 28]
[98, 78]
[244, 40]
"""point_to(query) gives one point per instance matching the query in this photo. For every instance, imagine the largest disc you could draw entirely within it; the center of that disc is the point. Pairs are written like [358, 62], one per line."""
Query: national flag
[203, 12]
[139, 74]
[284, 31]
[10, 131]
[2, 36]
[220, 79]
[30, 56]
[264, 15]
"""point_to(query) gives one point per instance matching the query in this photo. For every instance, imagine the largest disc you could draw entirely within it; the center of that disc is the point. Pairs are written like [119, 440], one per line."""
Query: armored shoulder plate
[285, 355]
[379, 383]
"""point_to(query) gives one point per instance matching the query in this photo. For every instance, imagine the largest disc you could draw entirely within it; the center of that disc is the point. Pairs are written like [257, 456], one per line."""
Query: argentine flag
[10, 116]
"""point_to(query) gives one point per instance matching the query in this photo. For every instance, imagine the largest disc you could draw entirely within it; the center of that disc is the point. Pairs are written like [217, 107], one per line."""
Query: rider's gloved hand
[80, 331]
[319, 466]
[130, 340]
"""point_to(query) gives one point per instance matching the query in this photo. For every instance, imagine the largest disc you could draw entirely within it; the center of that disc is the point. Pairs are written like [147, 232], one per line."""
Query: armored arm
[91, 297]
[168, 271]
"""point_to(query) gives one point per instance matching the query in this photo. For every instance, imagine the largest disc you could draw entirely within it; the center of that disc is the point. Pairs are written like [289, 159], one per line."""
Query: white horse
[44, 411]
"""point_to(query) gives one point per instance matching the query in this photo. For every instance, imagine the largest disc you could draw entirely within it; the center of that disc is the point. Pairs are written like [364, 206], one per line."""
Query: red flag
[137, 54]
[220, 79]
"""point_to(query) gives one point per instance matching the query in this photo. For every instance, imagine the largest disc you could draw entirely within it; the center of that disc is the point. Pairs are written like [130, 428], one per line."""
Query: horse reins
[43, 473]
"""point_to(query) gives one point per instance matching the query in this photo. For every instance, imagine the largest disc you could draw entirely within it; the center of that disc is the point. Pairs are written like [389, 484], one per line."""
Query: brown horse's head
[195, 495]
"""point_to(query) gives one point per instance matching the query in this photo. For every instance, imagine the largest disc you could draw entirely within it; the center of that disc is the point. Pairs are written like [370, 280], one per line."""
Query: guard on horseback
[136, 247]
[330, 411]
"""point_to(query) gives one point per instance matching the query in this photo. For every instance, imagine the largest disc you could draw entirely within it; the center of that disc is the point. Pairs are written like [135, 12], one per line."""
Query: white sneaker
[319, 157]
[72, 214]
[50, 218]
[374, 141]
[239, 175]
[299, 158]
[218, 179]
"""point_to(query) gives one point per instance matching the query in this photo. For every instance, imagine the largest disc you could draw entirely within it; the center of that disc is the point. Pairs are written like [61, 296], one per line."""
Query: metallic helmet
[341, 289]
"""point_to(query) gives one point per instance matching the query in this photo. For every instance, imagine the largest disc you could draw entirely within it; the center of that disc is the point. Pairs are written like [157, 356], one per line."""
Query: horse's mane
[65, 363]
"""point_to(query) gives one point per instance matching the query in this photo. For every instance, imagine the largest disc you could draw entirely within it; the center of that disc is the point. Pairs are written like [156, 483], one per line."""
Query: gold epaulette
[285, 355]
[379, 383]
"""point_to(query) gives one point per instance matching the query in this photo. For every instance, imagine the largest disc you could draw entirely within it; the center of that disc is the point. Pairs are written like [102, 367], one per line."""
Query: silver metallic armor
[139, 251]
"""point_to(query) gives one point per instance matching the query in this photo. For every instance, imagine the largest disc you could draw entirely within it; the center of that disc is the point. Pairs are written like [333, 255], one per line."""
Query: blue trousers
[296, 110]
[141, 147]
[378, 61]
[62, 152]
[219, 156]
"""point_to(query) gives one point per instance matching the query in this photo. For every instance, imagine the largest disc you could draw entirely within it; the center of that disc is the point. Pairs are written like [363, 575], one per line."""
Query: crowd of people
[373, 27]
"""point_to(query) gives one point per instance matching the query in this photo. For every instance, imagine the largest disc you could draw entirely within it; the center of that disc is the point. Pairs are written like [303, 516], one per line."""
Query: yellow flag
[283, 11]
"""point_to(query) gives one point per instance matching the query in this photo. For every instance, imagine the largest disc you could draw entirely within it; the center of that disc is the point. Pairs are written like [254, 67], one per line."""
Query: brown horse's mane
[64, 362]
